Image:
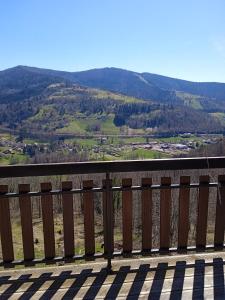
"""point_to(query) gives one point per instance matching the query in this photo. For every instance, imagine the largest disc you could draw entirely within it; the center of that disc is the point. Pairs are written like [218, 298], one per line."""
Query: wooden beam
[111, 167]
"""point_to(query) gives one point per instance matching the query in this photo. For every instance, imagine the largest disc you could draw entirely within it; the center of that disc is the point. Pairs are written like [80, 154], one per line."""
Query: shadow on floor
[135, 286]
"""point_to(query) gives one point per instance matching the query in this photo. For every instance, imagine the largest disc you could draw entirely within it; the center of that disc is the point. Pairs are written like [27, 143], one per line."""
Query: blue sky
[177, 38]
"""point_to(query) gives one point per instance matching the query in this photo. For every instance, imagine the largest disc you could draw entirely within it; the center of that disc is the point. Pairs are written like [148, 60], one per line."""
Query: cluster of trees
[53, 157]
[167, 118]
[125, 111]
[14, 113]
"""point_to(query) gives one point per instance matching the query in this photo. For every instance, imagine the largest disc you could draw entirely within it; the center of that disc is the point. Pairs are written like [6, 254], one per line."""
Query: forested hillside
[36, 100]
[68, 108]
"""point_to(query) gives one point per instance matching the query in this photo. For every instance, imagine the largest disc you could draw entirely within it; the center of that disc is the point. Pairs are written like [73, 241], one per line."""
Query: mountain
[20, 83]
[207, 89]
[20, 78]
[107, 101]
[140, 85]
[147, 85]
[125, 82]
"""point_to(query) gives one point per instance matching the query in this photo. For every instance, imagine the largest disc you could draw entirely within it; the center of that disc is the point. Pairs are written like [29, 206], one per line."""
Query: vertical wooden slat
[146, 198]
[5, 227]
[68, 221]
[26, 222]
[203, 199]
[183, 225]
[165, 207]
[220, 213]
[48, 221]
[127, 215]
[105, 221]
[89, 230]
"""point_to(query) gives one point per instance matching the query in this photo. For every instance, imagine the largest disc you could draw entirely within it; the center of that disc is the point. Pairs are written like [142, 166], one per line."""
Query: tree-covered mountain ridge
[120, 80]
[111, 98]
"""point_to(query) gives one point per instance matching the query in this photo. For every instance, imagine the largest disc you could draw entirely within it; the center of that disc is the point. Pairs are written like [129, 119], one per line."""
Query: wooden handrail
[111, 166]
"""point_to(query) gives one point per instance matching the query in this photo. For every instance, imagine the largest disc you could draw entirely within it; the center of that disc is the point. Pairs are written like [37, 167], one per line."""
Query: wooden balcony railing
[107, 190]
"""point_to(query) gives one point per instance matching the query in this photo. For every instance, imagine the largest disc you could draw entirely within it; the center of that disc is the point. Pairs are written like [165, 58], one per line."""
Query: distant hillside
[107, 101]
[125, 82]
[147, 85]
[140, 85]
[20, 83]
[66, 108]
[207, 89]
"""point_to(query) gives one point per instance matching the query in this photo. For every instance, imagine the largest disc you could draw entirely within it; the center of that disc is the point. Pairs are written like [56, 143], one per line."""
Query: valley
[104, 114]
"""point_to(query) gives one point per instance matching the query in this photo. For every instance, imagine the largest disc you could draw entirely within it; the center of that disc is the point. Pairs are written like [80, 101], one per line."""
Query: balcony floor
[197, 276]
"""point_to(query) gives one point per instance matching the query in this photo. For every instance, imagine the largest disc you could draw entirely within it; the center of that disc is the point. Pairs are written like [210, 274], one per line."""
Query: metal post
[109, 224]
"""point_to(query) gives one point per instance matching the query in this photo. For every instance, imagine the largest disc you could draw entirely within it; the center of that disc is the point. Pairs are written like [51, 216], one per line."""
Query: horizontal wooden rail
[112, 167]
[113, 189]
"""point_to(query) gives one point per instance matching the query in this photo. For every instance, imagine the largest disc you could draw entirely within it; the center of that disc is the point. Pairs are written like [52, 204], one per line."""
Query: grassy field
[16, 158]
[100, 94]
[190, 100]
[4, 161]
[75, 126]
[69, 93]
[86, 142]
[108, 127]
[144, 154]
[91, 125]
